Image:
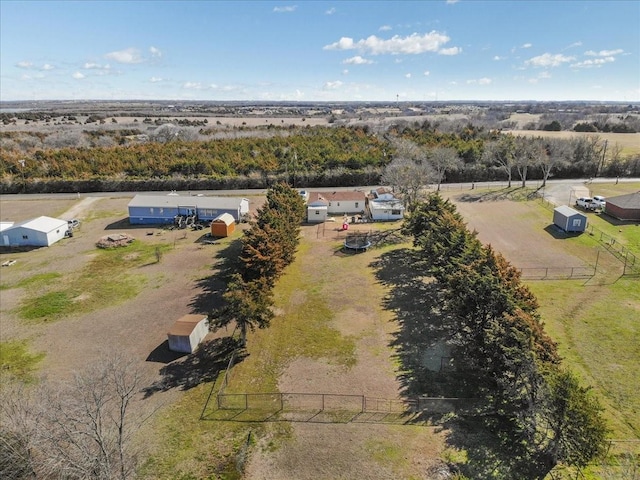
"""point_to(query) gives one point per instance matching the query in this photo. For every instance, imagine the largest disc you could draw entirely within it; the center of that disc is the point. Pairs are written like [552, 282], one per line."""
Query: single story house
[624, 207]
[39, 232]
[568, 219]
[223, 225]
[342, 202]
[186, 334]
[385, 210]
[163, 209]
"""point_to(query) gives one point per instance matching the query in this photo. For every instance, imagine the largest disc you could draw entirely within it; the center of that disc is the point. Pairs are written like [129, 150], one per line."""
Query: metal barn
[569, 220]
[163, 209]
[38, 232]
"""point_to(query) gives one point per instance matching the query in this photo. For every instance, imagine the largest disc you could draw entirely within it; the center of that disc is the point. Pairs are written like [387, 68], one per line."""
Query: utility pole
[604, 152]
[22, 163]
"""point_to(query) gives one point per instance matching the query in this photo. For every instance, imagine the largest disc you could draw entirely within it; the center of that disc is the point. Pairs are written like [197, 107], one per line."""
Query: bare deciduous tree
[558, 152]
[501, 153]
[80, 430]
[443, 160]
[408, 173]
[170, 133]
[528, 152]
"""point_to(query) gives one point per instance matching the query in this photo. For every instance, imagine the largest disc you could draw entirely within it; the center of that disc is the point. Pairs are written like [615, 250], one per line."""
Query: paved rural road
[558, 192]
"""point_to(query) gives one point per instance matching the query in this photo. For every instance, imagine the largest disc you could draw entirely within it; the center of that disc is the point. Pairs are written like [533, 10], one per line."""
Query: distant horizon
[321, 51]
[319, 102]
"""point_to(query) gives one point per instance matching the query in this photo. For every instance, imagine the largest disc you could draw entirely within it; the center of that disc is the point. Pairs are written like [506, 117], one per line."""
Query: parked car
[586, 202]
[600, 201]
[75, 223]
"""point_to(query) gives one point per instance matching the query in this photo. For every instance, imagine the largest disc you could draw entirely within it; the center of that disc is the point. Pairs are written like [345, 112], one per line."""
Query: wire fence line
[630, 261]
[557, 273]
[291, 401]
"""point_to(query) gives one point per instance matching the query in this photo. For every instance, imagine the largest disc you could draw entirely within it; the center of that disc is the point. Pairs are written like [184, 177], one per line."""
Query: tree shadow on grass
[213, 286]
[424, 340]
[203, 365]
[426, 354]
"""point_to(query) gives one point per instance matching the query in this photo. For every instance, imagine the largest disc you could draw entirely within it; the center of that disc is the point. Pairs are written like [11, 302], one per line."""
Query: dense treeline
[309, 156]
[268, 246]
[534, 413]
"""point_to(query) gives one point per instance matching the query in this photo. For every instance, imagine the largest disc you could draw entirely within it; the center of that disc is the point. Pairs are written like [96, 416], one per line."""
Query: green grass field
[105, 281]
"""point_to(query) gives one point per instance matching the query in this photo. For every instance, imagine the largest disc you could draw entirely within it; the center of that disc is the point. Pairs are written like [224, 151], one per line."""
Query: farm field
[332, 334]
[630, 142]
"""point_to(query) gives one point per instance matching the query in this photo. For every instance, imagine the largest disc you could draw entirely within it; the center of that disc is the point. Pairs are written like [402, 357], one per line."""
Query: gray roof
[383, 204]
[568, 211]
[227, 203]
[632, 200]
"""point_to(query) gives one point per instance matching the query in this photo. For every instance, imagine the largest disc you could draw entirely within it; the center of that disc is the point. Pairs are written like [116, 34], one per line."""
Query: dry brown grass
[630, 142]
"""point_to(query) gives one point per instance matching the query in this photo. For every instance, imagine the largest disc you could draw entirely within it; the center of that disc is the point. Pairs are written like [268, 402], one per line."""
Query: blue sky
[320, 51]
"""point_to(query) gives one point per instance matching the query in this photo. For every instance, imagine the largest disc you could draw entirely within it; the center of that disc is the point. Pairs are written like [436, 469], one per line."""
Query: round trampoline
[357, 243]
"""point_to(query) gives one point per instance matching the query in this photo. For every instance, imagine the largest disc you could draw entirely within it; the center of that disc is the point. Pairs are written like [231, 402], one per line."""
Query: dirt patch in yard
[516, 230]
[323, 451]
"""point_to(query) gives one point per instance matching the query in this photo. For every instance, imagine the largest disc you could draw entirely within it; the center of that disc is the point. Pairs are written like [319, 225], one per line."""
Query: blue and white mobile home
[163, 209]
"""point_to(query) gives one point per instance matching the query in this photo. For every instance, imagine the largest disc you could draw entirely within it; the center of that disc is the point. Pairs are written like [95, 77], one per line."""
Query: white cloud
[24, 64]
[357, 60]
[332, 85]
[289, 9]
[596, 62]
[544, 74]
[156, 79]
[527, 45]
[345, 72]
[450, 51]
[396, 45]
[407, 75]
[385, 28]
[128, 55]
[451, 2]
[47, 66]
[549, 60]
[78, 76]
[155, 52]
[574, 44]
[479, 81]
[192, 86]
[497, 58]
[331, 11]
[604, 53]
[426, 73]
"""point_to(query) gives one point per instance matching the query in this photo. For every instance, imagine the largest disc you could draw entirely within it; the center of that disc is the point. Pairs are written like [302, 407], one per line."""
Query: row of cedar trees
[268, 246]
[536, 414]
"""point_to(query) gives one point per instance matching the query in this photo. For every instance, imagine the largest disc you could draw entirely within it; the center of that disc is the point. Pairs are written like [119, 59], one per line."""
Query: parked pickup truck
[587, 203]
[600, 201]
